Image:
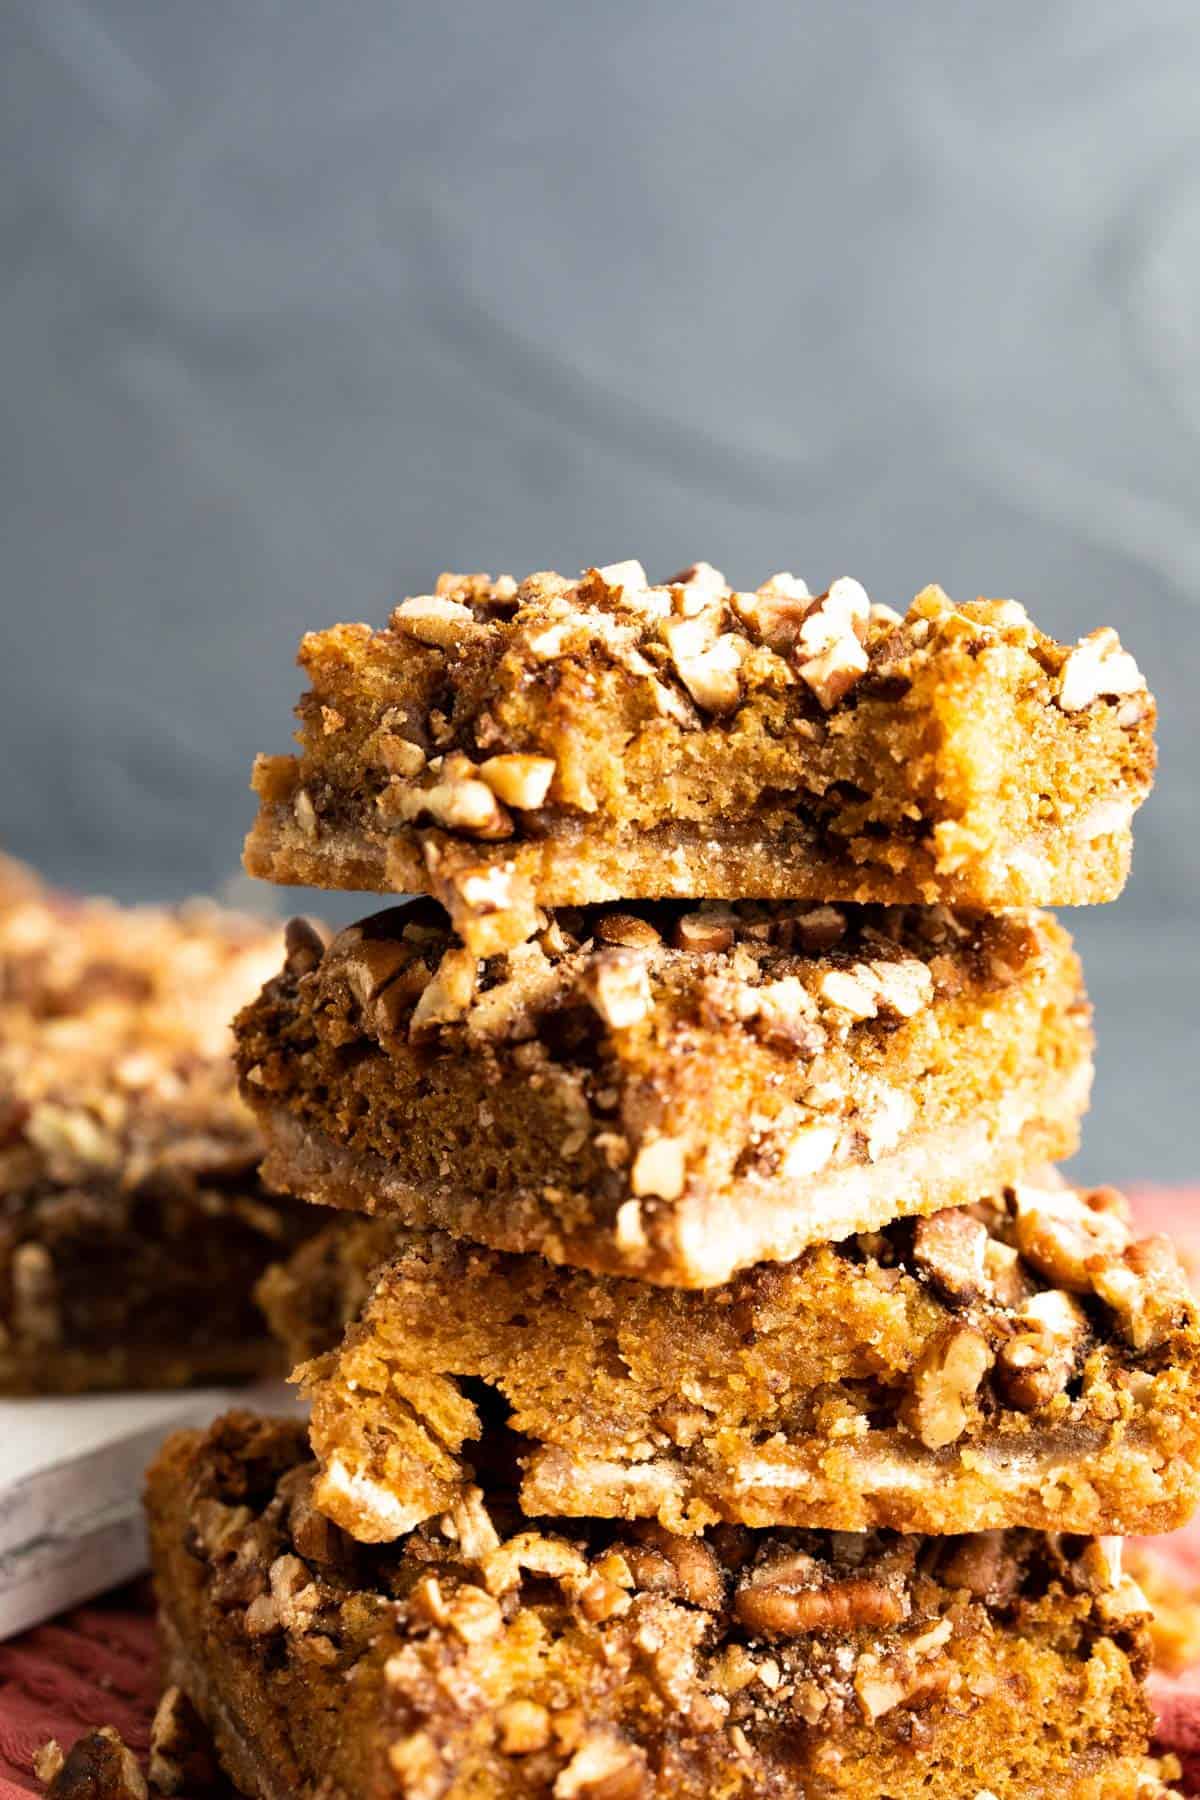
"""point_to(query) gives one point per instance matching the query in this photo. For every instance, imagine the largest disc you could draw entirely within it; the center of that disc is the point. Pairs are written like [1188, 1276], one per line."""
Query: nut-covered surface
[566, 742]
[928, 1377]
[133, 1225]
[670, 1091]
[487, 1657]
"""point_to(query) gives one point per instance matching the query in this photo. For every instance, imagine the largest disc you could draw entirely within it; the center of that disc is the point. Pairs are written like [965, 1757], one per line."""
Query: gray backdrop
[303, 300]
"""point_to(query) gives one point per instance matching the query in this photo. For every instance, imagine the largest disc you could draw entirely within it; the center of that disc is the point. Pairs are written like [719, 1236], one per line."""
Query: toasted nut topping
[880, 1689]
[775, 613]
[808, 1150]
[431, 620]
[470, 1526]
[701, 578]
[303, 946]
[181, 1755]
[539, 1555]
[1006, 1278]
[474, 1616]
[520, 781]
[603, 1768]
[832, 658]
[820, 928]
[660, 1168]
[709, 670]
[549, 642]
[417, 1763]
[1059, 1236]
[398, 755]
[834, 616]
[449, 994]
[524, 1726]
[628, 575]
[306, 812]
[784, 1015]
[945, 1381]
[702, 932]
[618, 987]
[786, 585]
[99, 1763]
[851, 992]
[786, 1604]
[1147, 1289]
[983, 1564]
[904, 988]
[1098, 666]
[950, 1247]
[1036, 1365]
[459, 805]
[367, 965]
[630, 1232]
[833, 673]
[885, 615]
[627, 930]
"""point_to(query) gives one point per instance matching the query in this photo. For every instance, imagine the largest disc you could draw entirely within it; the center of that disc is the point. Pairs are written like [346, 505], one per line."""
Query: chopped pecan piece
[945, 1381]
[1063, 1238]
[950, 1247]
[1038, 1362]
[1098, 666]
[1147, 1289]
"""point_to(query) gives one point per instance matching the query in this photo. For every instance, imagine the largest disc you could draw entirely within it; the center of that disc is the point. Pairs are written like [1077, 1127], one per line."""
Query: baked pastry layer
[1022, 1362]
[666, 1093]
[505, 747]
[481, 1657]
[133, 1225]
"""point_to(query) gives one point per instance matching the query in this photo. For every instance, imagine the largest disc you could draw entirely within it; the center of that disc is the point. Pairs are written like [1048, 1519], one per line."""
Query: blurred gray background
[304, 300]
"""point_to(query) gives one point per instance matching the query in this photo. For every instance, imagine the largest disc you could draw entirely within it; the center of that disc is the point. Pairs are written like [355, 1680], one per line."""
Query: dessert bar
[133, 1226]
[1023, 1362]
[484, 1657]
[567, 742]
[665, 1092]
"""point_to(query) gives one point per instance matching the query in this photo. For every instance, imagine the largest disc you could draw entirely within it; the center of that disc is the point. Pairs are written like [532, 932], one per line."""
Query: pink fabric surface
[98, 1665]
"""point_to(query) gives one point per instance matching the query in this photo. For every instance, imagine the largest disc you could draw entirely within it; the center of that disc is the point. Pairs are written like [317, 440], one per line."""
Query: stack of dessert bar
[717, 1392]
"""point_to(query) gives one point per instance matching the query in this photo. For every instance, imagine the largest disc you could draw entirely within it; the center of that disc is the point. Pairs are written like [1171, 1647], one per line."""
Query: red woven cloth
[98, 1665]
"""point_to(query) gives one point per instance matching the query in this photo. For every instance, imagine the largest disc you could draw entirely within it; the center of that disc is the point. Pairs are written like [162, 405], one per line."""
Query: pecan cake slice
[482, 1658]
[665, 1092]
[133, 1225]
[567, 742]
[1022, 1362]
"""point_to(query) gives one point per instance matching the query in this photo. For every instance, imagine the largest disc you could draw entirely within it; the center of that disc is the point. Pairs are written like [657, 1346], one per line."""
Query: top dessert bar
[133, 1225]
[563, 742]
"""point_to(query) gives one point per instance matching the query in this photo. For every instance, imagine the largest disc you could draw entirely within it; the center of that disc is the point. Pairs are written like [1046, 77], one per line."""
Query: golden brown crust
[132, 1223]
[1021, 1363]
[575, 742]
[670, 1093]
[610, 1663]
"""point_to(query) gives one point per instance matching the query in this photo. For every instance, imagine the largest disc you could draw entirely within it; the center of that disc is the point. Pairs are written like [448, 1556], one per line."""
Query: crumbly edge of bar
[132, 1223]
[674, 1112]
[561, 708]
[601, 1655]
[1021, 1362]
[114, 1043]
[147, 1285]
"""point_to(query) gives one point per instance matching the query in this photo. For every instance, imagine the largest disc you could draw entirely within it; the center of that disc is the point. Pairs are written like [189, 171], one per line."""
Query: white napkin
[71, 1474]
